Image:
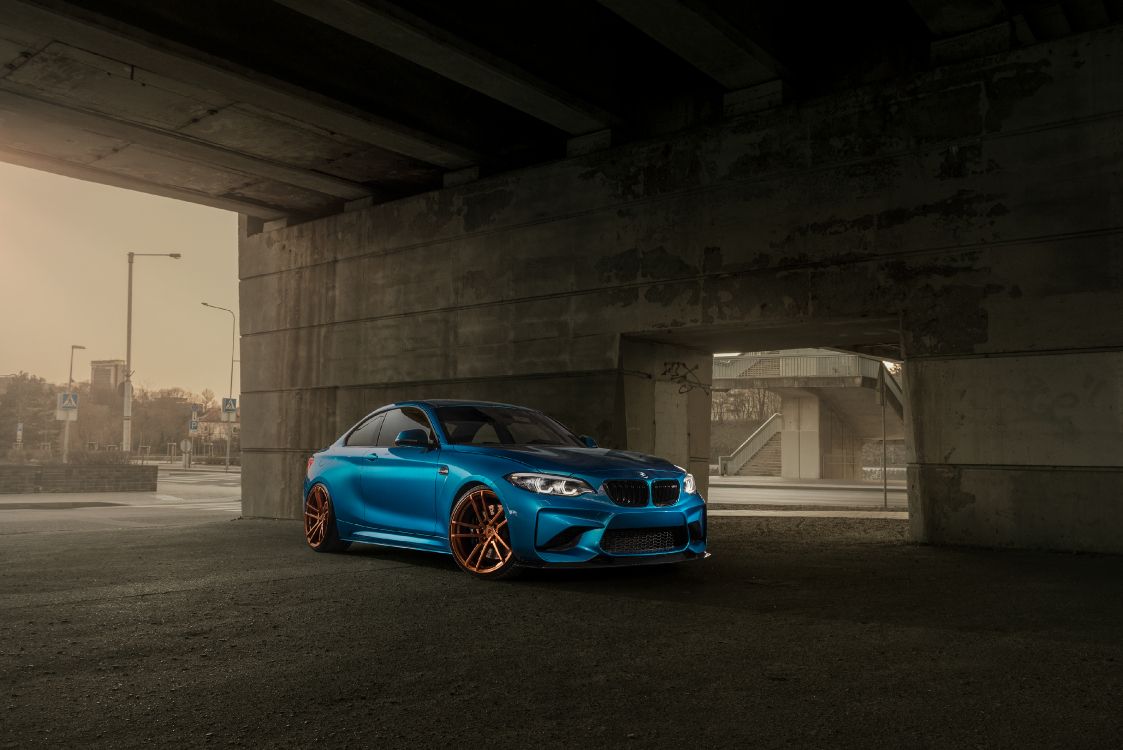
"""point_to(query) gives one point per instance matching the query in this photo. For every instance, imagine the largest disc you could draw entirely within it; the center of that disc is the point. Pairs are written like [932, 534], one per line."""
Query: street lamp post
[66, 424]
[127, 427]
[230, 390]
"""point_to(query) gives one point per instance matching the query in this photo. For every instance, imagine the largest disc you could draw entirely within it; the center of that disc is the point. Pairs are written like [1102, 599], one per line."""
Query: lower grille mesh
[638, 541]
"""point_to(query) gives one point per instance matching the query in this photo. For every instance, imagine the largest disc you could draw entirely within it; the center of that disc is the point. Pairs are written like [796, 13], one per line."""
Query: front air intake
[643, 541]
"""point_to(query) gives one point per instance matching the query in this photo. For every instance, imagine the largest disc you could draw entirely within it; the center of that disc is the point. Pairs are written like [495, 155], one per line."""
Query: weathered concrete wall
[977, 205]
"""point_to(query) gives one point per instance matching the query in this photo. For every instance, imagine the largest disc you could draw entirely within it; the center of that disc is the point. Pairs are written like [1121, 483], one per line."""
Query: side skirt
[399, 539]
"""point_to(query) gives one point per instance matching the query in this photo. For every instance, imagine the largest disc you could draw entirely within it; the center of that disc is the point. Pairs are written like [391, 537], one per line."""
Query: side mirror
[412, 438]
[588, 441]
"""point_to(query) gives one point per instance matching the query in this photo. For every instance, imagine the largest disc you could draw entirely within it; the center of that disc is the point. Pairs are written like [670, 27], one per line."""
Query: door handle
[371, 456]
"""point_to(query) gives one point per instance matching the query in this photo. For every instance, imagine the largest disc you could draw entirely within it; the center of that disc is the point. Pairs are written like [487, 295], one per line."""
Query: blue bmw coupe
[497, 487]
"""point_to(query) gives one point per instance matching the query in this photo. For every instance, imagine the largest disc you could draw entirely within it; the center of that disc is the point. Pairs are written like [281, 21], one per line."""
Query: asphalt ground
[796, 633]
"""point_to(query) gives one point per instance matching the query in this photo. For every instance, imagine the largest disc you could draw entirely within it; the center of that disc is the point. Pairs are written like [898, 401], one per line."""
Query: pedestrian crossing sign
[68, 400]
[230, 404]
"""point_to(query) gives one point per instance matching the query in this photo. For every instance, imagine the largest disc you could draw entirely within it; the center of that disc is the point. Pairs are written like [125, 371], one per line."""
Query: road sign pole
[127, 429]
[127, 408]
[69, 389]
[230, 390]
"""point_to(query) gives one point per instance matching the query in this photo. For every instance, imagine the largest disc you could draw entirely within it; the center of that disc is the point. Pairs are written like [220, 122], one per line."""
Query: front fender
[489, 472]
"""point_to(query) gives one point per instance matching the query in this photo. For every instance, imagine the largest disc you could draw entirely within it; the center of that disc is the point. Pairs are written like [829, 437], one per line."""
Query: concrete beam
[703, 39]
[959, 17]
[388, 27]
[102, 177]
[79, 27]
[18, 98]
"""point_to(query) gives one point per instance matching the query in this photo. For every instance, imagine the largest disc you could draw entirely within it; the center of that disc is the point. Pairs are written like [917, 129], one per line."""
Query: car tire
[320, 530]
[479, 536]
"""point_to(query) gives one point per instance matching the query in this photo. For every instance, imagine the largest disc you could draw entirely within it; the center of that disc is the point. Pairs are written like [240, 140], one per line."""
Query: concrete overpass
[831, 403]
[573, 204]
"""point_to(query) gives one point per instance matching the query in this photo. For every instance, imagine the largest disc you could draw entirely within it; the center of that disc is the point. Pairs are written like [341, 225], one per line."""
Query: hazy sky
[63, 280]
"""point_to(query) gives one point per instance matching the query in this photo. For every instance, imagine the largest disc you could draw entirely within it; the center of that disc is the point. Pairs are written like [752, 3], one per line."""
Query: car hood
[566, 460]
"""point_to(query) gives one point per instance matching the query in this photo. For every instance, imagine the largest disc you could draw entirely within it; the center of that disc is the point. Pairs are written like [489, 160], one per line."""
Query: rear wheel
[320, 530]
[479, 535]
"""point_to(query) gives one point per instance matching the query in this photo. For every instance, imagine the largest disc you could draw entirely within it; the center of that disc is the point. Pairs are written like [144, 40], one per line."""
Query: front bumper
[590, 530]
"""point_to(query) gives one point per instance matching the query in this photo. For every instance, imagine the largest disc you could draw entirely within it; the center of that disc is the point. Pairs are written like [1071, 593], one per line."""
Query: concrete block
[764, 96]
[1012, 506]
[588, 143]
[1062, 410]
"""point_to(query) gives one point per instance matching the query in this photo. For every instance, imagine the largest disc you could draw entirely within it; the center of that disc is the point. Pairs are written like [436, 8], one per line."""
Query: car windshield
[502, 425]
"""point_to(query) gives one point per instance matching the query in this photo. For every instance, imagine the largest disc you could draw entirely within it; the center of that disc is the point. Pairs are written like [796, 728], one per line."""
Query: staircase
[766, 462]
[747, 455]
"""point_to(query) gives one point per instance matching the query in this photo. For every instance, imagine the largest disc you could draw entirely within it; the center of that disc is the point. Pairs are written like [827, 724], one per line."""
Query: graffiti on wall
[685, 375]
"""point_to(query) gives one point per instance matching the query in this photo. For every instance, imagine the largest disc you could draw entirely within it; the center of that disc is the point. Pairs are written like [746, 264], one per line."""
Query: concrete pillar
[800, 440]
[1021, 451]
[841, 449]
[816, 442]
[666, 399]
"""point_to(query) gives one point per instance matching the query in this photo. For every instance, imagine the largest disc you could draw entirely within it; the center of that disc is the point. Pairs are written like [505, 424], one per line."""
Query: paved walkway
[181, 498]
[774, 495]
[803, 484]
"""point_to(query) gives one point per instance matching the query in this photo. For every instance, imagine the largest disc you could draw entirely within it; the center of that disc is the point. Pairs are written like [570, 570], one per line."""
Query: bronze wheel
[479, 536]
[319, 522]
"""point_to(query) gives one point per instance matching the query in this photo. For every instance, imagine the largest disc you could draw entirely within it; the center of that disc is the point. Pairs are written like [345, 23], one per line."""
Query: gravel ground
[796, 633]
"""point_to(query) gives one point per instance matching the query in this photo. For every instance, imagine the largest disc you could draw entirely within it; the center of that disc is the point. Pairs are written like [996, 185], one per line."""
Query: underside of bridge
[573, 204]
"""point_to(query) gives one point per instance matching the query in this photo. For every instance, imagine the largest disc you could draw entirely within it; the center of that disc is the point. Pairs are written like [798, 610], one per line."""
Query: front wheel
[479, 536]
[320, 530]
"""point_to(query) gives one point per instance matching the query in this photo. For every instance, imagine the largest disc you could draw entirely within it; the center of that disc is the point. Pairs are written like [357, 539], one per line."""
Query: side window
[400, 420]
[367, 434]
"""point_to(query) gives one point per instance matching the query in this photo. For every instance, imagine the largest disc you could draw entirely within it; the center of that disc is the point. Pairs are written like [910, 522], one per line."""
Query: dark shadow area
[802, 632]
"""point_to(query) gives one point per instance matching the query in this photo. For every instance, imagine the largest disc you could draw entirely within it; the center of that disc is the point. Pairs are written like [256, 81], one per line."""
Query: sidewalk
[780, 483]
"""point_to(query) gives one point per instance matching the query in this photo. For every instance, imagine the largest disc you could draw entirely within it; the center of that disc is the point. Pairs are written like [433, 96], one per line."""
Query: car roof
[435, 402]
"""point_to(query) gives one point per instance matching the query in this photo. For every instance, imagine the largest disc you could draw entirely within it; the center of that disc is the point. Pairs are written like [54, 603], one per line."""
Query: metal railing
[744, 452]
[802, 365]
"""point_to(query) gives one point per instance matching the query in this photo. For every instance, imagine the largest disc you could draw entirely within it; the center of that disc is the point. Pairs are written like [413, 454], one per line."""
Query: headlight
[548, 484]
[688, 484]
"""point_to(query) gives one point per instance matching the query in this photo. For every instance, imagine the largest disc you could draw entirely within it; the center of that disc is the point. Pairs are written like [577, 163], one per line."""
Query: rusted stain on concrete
[634, 264]
[1006, 86]
[672, 293]
[661, 170]
[961, 161]
[962, 204]
[711, 259]
[481, 209]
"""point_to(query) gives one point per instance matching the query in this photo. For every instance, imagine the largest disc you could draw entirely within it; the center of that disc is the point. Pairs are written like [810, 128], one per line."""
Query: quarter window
[367, 433]
[400, 420]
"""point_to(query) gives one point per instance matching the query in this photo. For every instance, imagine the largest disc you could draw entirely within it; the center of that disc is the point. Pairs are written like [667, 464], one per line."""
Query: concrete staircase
[766, 462]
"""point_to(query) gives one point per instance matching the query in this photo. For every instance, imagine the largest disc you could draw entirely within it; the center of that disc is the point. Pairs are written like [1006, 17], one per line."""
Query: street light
[66, 424]
[127, 428]
[230, 391]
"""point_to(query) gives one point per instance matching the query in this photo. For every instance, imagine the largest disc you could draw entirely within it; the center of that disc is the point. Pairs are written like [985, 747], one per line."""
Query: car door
[357, 448]
[400, 483]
